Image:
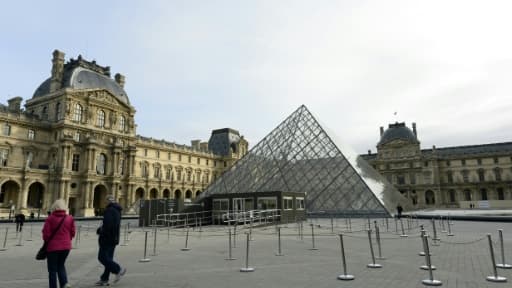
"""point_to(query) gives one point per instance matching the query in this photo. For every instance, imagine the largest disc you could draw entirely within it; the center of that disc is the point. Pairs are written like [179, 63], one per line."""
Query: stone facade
[479, 175]
[76, 139]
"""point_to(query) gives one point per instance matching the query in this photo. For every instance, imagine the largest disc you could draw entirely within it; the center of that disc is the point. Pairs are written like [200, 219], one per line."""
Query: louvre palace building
[76, 140]
[448, 177]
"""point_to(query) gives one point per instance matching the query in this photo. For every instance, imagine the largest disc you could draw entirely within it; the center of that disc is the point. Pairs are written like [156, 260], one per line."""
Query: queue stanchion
[373, 264]
[344, 276]
[442, 224]
[313, 237]
[428, 265]
[403, 231]
[422, 233]
[145, 259]
[186, 242]
[495, 277]
[379, 246]
[247, 268]
[20, 239]
[279, 252]
[230, 257]
[387, 224]
[396, 226]
[234, 236]
[154, 238]
[435, 239]
[503, 264]
[302, 231]
[449, 228]
[332, 224]
[30, 237]
[4, 247]
[349, 224]
[430, 281]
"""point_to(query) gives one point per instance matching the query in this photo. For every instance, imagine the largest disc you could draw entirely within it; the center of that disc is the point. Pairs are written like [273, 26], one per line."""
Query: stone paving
[462, 260]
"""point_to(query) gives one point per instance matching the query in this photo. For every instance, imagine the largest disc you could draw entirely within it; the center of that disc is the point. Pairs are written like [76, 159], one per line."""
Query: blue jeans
[55, 261]
[106, 258]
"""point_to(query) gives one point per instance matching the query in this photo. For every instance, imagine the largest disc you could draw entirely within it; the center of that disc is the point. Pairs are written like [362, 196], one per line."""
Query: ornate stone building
[76, 139]
[444, 177]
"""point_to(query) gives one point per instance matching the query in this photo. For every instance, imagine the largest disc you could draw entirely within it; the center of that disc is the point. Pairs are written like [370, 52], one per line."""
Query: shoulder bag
[42, 253]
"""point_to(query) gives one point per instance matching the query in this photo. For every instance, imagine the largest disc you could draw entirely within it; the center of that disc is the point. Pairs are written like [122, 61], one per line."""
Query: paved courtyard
[462, 260]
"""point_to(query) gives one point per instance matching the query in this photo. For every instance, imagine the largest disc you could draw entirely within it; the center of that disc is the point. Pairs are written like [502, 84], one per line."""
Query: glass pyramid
[299, 156]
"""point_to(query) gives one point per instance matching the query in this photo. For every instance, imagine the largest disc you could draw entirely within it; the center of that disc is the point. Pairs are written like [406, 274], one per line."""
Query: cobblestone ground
[462, 260]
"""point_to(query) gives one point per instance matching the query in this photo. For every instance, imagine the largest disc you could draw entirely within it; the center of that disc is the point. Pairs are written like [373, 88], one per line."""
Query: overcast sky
[193, 66]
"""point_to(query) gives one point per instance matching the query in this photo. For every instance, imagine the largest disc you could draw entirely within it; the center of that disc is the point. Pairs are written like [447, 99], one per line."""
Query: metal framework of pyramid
[299, 156]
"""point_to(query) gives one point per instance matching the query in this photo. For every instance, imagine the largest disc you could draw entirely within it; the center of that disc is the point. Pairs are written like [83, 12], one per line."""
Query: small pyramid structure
[299, 156]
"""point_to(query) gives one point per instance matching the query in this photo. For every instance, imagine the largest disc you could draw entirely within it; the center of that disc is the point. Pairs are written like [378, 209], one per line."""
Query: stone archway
[167, 193]
[139, 193]
[430, 198]
[198, 192]
[188, 194]
[177, 194]
[100, 194]
[35, 195]
[153, 193]
[9, 194]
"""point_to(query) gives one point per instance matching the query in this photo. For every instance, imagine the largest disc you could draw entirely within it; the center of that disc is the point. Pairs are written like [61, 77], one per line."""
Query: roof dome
[398, 131]
[81, 74]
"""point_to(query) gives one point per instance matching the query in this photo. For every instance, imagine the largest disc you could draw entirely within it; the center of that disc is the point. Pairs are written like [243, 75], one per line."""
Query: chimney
[381, 131]
[195, 144]
[15, 104]
[204, 146]
[57, 70]
[414, 129]
[120, 79]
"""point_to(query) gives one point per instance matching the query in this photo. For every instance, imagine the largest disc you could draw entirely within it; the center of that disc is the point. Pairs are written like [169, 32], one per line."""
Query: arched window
[77, 113]
[122, 123]
[44, 113]
[100, 118]
[101, 162]
[58, 111]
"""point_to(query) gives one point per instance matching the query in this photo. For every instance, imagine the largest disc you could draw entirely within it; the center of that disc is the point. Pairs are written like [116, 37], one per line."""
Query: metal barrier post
[387, 225]
[5, 239]
[431, 281]
[332, 224]
[403, 232]
[396, 226]
[186, 242]
[344, 276]
[377, 236]
[30, 239]
[145, 259]
[313, 237]
[279, 253]
[503, 264]
[154, 239]
[449, 228]
[435, 239]
[349, 224]
[427, 266]
[301, 230]
[230, 257]
[234, 236]
[19, 240]
[247, 268]
[373, 264]
[443, 229]
[495, 277]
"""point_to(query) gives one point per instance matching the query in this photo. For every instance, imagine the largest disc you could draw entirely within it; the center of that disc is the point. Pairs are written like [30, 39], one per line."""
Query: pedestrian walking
[399, 210]
[108, 239]
[19, 219]
[62, 226]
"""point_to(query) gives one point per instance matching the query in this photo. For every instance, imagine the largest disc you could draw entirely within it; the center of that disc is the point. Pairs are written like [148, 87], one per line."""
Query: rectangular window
[287, 203]
[169, 156]
[207, 162]
[412, 178]
[501, 195]
[178, 175]
[31, 134]
[267, 203]
[179, 157]
[400, 179]
[481, 175]
[145, 152]
[465, 176]
[168, 174]
[448, 163]
[157, 152]
[479, 161]
[198, 160]
[75, 164]
[220, 204]
[121, 166]
[483, 194]
[7, 129]
[76, 137]
[449, 175]
[497, 174]
[189, 159]
[299, 203]
[156, 172]
[496, 160]
[198, 176]
[214, 163]
[463, 162]
[225, 164]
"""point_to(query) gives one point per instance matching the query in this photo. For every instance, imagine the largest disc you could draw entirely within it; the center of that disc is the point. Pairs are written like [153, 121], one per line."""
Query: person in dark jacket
[108, 240]
[19, 219]
[59, 246]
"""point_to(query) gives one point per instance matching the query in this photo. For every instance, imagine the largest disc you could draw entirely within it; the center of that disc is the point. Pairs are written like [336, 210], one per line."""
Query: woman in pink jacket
[59, 246]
